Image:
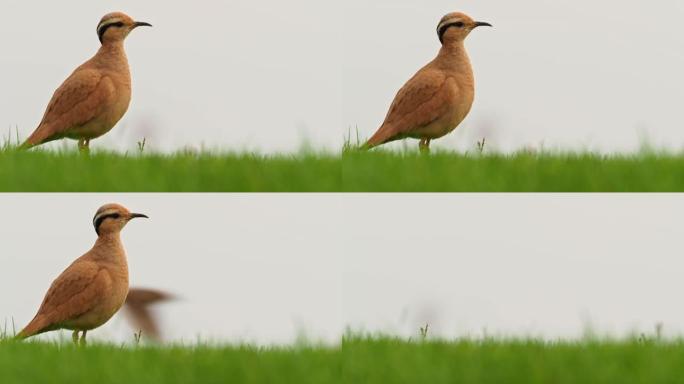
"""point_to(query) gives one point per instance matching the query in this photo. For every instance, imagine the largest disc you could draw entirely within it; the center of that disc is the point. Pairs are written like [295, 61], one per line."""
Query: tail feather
[382, 136]
[26, 145]
[38, 137]
[35, 327]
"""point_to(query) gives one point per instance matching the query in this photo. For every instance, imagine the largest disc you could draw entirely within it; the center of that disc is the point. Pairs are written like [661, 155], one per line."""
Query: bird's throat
[455, 56]
[112, 54]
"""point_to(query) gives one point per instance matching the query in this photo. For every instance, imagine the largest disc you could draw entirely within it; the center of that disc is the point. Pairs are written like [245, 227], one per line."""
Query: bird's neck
[111, 55]
[109, 248]
[454, 56]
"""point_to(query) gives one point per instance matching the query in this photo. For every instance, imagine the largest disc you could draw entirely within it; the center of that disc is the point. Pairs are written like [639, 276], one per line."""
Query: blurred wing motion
[138, 303]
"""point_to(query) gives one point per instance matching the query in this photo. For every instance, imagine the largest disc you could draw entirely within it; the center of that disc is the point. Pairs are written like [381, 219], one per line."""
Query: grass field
[107, 172]
[358, 360]
[376, 171]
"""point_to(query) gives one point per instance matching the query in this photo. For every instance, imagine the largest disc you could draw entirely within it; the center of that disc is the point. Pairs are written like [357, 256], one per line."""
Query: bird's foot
[79, 341]
[424, 146]
[84, 146]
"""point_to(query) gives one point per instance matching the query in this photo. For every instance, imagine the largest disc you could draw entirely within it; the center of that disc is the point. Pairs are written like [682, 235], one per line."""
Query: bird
[93, 99]
[439, 96]
[94, 287]
[137, 307]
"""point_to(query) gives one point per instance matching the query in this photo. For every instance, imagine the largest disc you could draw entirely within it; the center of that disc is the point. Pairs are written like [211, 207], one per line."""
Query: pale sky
[270, 75]
[266, 268]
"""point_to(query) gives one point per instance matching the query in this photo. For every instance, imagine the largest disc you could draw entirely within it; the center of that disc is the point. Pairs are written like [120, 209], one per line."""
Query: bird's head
[116, 26]
[112, 218]
[455, 27]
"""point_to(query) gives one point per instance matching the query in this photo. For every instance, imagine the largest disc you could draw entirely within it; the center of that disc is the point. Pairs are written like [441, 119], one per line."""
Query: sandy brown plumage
[96, 96]
[138, 307]
[94, 287]
[439, 96]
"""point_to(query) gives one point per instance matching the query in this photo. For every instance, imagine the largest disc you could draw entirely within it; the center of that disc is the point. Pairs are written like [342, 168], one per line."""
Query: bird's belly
[457, 112]
[444, 125]
[104, 122]
[102, 312]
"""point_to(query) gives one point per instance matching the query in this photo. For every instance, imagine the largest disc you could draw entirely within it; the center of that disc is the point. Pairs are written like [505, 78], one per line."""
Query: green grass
[357, 360]
[41, 171]
[375, 171]
[523, 361]
[521, 172]
[51, 363]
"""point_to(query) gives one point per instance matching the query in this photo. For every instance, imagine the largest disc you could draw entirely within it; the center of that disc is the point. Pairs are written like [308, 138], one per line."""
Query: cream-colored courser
[94, 287]
[437, 99]
[96, 96]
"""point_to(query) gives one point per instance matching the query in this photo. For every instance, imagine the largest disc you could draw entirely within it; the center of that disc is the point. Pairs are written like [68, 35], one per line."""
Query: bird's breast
[114, 108]
[111, 304]
[459, 101]
[462, 96]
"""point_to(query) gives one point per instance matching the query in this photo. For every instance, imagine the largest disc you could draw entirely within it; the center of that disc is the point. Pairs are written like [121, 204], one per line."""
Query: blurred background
[274, 76]
[276, 268]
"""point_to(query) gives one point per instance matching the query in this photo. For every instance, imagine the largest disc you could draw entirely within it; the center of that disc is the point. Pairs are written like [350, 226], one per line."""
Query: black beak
[141, 24]
[136, 215]
[482, 24]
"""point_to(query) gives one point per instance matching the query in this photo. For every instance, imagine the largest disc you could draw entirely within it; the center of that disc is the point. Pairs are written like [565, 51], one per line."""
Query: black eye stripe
[444, 28]
[99, 220]
[104, 28]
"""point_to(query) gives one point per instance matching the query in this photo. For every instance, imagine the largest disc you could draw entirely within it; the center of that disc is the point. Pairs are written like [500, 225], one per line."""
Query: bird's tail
[26, 145]
[366, 147]
[38, 137]
[382, 136]
[19, 336]
[35, 327]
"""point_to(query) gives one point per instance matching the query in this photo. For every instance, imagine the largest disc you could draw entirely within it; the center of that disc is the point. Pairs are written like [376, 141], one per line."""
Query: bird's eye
[459, 24]
[115, 216]
[118, 24]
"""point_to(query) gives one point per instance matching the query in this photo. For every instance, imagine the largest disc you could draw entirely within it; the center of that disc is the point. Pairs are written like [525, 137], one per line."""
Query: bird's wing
[78, 100]
[422, 100]
[144, 296]
[138, 304]
[143, 320]
[74, 292]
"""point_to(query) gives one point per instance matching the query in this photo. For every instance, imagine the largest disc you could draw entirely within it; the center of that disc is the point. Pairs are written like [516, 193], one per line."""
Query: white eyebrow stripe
[102, 214]
[447, 22]
[107, 22]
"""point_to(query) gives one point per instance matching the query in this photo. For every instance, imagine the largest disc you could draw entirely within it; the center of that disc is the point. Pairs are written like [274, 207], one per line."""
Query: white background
[268, 268]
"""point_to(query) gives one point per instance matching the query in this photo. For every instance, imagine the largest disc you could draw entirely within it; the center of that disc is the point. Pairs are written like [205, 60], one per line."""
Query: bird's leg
[424, 145]
[83, 338]
[84, 145]
[74, 337]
